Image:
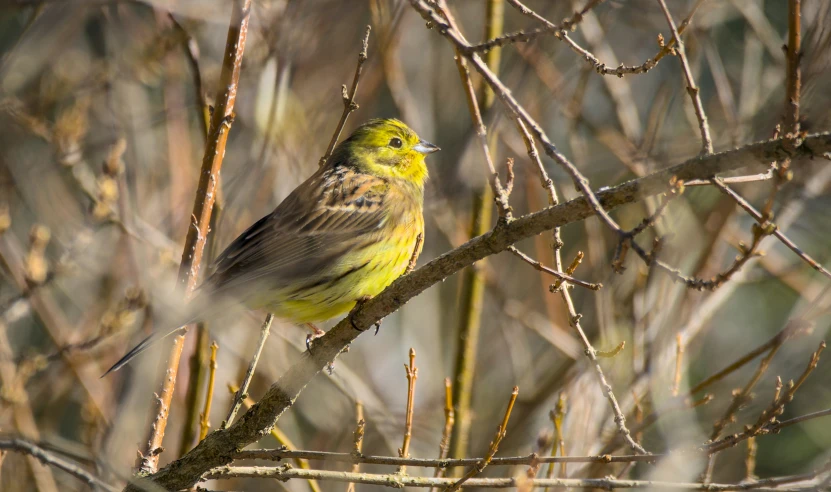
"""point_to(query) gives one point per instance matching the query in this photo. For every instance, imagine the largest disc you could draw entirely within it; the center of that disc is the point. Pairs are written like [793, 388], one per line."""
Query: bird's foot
[358, 305]
[311, 337]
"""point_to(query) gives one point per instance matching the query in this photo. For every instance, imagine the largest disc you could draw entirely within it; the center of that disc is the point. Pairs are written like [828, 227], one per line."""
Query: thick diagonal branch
[219, 448]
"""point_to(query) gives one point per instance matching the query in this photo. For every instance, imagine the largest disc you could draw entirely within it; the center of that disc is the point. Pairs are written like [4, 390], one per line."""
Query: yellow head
[385, 148]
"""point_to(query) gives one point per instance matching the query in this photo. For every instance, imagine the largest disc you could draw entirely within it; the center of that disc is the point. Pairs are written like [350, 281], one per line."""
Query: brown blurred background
[101, 138]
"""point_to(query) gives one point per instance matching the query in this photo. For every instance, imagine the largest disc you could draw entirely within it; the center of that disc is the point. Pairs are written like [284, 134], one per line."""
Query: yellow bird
[341, 236]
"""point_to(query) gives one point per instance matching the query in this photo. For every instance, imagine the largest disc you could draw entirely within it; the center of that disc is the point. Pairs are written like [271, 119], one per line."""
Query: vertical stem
[202, 209]
[449, 420]
[412, 375]
[558, 443]
[473, 285]
[205, 420]
[198, 364]
[692, 89]
[200, 359]
[679, 356]
[242, 392]
[358, 440]
[794, 76]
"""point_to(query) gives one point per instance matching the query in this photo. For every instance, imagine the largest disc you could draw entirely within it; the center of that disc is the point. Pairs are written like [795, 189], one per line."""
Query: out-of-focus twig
[794, 327]
[191, 49]
[349, 104]
[558, 443]
[449, 420]
[750, 460]
[202, 209]
[242, 393]
[764, 223]
[793, 55]
[412, 375]
[765, 423]
[200, 360]
[358, 440]
[692, 89]
[492, 449]
[47, 458]
[679, 356]
[204, 421]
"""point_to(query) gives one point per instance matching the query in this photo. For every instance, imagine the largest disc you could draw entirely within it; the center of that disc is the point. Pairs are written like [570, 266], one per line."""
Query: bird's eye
[396, 143]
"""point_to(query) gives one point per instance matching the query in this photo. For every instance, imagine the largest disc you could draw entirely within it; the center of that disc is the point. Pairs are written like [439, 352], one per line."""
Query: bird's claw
[311, 337]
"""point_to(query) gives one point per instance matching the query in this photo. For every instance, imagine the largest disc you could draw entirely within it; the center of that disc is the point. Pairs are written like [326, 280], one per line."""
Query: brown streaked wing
[324, 218]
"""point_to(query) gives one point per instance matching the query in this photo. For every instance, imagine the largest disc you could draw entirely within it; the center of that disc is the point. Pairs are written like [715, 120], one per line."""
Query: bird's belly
[364, 275]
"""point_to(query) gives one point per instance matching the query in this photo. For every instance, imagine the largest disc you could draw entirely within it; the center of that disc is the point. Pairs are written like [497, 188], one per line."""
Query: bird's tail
[178, 316]
[141, 347]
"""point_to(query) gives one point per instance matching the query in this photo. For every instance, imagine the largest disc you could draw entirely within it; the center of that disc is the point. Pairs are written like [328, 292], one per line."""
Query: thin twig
[736, 179]
[600, 67]
[499, 192]
[349, 104]
[200, 360]
[740, 398]
[191, 49]
[47, 458]
[202, 210]
[523, 36]
[795, 327]
[766, 423]
[557, 416]
[776, 231]
[449, 420]
[750, 460]
[608, 354]
[561, 276]
[242, 393]
[358, 440]
[282, 454]
[572, 267]
[412, 375]
[679, 356]
[794, 75]
[492, 449]
[204, 421]
[692, 89]
[400, 481]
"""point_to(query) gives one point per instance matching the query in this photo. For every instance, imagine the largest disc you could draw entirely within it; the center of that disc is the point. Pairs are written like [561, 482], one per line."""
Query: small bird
[340, 237]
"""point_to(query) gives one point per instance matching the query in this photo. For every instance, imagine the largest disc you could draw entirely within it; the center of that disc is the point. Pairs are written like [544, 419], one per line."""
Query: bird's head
[386, 148]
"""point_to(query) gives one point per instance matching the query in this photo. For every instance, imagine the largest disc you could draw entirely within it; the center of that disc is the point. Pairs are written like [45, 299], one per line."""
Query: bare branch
[47, 458]
[349, 104]
[219, 447]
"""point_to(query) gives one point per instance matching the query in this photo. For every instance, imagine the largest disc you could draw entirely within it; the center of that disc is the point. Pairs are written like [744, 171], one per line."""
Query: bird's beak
[426, 147]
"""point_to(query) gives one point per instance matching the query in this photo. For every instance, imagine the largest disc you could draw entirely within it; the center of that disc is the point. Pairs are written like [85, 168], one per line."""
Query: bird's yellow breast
[363, 274]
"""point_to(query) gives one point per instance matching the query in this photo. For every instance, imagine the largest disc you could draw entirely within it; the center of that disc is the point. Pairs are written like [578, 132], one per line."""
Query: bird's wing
[330, 214]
